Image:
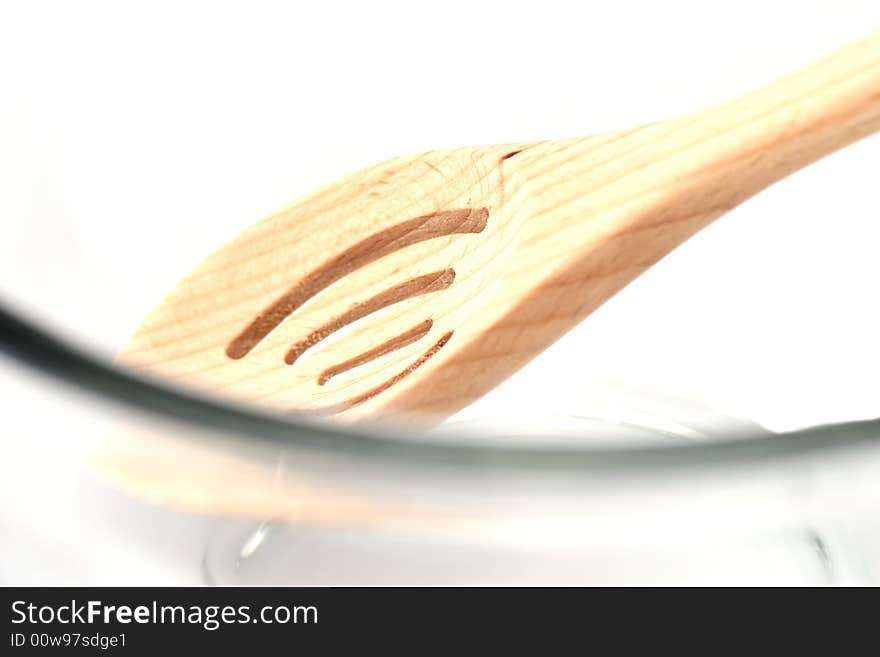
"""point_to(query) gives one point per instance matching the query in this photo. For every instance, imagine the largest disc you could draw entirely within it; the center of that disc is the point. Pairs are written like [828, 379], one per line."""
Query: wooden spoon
[411, 288]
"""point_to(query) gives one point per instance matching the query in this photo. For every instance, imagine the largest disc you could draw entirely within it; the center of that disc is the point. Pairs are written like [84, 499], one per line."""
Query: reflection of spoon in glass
[415, 286]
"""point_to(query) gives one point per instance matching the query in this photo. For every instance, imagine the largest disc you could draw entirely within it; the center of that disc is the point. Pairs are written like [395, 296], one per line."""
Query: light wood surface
[411, 288]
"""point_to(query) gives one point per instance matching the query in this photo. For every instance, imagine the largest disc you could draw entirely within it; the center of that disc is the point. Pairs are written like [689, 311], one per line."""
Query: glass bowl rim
[38, 349]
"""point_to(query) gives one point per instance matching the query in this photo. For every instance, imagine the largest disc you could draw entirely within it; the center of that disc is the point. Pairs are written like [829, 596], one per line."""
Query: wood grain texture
[532, 238]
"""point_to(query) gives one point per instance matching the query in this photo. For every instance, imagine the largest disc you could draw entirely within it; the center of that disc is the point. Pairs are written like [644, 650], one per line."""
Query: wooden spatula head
[346, 300]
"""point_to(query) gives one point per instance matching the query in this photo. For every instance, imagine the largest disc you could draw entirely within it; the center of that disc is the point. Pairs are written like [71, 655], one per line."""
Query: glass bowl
[251, 498]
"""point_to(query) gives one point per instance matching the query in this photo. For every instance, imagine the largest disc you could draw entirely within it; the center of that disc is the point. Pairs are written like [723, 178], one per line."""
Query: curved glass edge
[36, 348]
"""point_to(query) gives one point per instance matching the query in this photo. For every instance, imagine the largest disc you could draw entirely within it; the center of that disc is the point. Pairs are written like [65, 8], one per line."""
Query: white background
[134, 139]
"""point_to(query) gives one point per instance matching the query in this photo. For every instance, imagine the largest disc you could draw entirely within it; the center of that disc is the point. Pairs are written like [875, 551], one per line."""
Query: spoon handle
[607, 207]
[770, 133]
